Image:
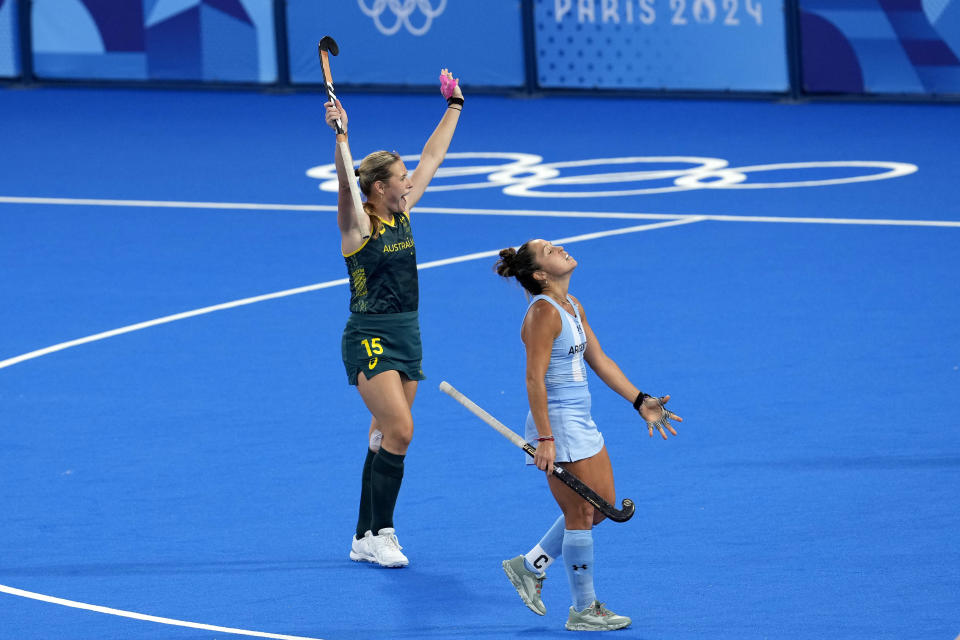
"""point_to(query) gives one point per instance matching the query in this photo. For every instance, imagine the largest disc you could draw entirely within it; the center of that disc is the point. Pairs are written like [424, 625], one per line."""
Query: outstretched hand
[657, 416]
[335, 111]
[449, 86]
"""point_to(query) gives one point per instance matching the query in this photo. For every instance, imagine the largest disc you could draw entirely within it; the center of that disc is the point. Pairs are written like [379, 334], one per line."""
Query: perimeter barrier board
[9, 39]
[880, 46]
[407, 43]
[188, 40]
[698, 45]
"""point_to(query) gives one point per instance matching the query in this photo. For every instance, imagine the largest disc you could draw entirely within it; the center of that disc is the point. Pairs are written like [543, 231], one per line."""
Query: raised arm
[540, 328]
[436, 148]
[353, 223]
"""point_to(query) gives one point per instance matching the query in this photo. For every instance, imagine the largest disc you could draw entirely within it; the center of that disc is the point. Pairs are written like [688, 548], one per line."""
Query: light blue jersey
[568, 396]
[567, 374]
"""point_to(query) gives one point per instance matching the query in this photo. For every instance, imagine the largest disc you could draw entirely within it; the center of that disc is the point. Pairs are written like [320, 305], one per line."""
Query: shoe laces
[540, 580]
[390, 540]
[601, 610]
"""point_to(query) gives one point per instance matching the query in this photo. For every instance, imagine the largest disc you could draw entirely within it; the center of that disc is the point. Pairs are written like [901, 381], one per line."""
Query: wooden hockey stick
[617, 515]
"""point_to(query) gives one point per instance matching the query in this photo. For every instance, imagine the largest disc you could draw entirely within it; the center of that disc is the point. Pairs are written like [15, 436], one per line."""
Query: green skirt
[377, 342]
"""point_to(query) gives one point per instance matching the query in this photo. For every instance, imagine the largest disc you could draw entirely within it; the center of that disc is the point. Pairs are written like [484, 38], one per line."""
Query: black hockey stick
[617, 515]
[325, 47]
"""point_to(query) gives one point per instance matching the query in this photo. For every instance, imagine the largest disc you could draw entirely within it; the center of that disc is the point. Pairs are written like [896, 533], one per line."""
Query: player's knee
[401, 431]
[580, 517]
[405, 436]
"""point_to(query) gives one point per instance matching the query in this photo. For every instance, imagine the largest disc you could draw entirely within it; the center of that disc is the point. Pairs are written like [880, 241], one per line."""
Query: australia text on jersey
[398, 246]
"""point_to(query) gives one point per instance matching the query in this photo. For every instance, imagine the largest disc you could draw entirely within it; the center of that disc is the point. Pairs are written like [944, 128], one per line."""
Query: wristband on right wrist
[452, 100]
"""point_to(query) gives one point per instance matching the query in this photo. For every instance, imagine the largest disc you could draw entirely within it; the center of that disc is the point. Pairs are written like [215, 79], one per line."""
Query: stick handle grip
[328, 84]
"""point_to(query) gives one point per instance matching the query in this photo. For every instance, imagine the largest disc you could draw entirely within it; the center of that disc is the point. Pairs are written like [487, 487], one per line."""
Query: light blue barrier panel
[715, 45]
[880, 47]
[9, 42]
[191, 40]
[406, 43]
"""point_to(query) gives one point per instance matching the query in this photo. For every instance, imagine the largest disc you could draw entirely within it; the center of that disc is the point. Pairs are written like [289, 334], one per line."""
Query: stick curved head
[626, 511]
[328, 44]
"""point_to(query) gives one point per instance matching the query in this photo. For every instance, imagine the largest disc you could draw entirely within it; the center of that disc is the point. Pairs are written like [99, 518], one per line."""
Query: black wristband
[640, 398]
[452, 100]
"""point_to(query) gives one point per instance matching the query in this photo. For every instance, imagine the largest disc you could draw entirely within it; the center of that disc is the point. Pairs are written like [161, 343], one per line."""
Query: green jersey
[383, 271]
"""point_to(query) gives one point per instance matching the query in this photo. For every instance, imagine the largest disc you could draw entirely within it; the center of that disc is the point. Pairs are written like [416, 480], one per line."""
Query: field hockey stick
[617, 515]
[325, 47]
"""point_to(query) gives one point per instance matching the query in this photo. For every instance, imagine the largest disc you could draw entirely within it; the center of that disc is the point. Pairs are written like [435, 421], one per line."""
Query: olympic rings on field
[526, 175]
[402, 10]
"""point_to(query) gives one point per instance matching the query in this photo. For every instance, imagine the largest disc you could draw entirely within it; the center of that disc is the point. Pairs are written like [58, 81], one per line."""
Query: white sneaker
[527, 583]
[596, 617]
[360, 549]
[385, 549]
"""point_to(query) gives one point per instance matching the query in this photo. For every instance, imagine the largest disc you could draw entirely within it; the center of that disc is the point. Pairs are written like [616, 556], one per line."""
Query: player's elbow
[601, 364]
[536, 381]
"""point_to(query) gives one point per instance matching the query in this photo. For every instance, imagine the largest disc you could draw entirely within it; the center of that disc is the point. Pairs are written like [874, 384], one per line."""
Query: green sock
[365, 512]
[385, 487]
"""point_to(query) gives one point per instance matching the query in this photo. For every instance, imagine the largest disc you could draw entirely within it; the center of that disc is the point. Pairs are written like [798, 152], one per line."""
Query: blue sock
[578, 558]
[547, 550]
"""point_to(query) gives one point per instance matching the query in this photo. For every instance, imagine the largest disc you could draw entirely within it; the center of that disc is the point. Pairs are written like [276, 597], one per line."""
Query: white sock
[537, 560]
[547, 550]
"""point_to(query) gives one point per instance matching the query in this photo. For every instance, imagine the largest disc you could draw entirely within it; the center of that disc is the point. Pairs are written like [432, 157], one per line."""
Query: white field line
[679, 216]
[252, 206]
[141, 616]
[170, 204]
[570, 240]
[671, 220]
[237, 303]
[9, 362]
[166, 319]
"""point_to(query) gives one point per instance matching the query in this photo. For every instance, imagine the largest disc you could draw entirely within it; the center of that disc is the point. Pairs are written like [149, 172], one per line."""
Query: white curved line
[9, 362]
[142, 616]
[893, 170]
[237, 303]
[528, 174]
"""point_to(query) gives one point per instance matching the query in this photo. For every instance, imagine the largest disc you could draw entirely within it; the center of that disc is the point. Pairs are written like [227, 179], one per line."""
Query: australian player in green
[381, 342]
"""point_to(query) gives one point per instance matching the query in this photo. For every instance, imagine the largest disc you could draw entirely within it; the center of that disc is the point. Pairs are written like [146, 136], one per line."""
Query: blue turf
[205, 470]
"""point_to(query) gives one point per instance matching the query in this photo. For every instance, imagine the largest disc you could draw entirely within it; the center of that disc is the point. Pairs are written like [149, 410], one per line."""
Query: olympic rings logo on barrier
[526, 175]
[402, 10]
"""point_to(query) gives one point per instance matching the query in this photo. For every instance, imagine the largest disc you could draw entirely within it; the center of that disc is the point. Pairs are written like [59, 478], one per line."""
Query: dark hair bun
[505, 266]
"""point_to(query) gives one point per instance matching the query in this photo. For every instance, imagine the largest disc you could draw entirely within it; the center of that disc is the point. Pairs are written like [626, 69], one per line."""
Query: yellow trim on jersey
[357, 250]
[393, 220]
[389, 224]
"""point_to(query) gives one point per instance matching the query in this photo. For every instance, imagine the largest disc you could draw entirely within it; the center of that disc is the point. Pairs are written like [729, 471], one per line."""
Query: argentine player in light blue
[559, 345]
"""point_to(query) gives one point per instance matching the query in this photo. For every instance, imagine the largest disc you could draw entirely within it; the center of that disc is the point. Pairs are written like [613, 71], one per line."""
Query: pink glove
[447, 85]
